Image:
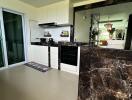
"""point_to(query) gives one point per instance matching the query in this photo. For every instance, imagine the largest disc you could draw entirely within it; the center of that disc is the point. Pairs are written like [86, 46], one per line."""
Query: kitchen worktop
[60, 43]
[72, 43]
[105, 74]
[44, 44]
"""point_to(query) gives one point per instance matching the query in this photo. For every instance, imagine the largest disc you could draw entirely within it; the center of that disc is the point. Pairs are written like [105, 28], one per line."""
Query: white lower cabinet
[70, 68]
[38, 54]
[54, 57]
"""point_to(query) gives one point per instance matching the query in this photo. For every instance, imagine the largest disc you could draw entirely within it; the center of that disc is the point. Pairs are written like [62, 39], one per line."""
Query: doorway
[12, 49]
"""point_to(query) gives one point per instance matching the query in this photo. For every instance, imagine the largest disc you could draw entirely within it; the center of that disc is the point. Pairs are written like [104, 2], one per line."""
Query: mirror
[106, 27]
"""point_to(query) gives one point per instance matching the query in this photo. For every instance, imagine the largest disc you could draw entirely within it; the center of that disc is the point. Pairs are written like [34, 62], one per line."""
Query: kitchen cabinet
[54, 57]
[69, 68]
[60, 13]
[42, 15]
[38, 54]
[51, 13]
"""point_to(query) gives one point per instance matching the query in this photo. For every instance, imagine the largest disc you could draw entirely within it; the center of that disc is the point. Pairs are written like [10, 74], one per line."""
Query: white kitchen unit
[71, 68]
[54, 57]
[60, 12]
[38, 54]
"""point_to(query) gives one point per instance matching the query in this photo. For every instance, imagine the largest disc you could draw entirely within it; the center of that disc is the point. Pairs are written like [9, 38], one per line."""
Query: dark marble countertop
[72, 43]
[105, 74]
[60, 44]
[44, 44]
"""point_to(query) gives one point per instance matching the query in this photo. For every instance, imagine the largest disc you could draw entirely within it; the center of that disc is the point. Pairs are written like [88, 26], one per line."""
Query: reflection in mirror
[106, 26]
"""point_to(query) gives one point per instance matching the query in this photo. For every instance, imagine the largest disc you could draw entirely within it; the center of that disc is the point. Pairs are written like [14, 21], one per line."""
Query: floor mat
[37, 66]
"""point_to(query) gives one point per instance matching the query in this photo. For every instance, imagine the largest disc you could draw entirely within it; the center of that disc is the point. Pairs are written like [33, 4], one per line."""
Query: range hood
[53, 25]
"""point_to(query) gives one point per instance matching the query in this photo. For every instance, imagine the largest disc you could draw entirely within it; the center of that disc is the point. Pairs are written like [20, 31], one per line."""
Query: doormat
[37, 66]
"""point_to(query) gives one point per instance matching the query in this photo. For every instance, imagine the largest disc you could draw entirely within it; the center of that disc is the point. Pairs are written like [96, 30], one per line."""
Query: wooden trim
[101, 4]
[111, 21]
[59, 56]
[49, 56]
[73, 24]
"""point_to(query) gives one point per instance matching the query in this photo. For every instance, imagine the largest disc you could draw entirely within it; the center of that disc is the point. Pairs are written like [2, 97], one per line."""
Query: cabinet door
[42, 15]
[63, 13]
[54, 57]
[51, 14]
[39, 54]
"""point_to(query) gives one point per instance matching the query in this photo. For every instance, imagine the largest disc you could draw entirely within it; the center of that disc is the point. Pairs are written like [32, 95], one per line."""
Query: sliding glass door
[1, 50]
[12, 51]
[14, 37]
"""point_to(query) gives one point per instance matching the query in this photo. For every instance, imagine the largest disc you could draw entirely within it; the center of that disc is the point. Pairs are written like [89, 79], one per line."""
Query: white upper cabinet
[51, 13]
[63, 13]
[42, 15]
[59, 12]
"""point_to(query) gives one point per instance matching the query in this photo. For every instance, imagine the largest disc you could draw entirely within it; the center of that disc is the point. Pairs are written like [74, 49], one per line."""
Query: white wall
[35, 31]
[56, 32]
[82, 26]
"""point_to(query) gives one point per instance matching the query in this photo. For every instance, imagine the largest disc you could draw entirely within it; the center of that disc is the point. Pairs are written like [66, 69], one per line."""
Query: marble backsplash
[105, 74]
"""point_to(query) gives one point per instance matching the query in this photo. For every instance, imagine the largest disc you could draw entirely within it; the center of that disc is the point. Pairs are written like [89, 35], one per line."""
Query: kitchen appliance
[43, 40]
[51, 41]
[45, 25]
[69, 55]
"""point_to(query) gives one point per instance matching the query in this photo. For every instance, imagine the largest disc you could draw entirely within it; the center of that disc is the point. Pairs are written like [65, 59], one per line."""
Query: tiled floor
[24, 83]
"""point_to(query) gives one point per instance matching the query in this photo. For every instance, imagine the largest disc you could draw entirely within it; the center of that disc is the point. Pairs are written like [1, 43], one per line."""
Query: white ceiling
[40, 3]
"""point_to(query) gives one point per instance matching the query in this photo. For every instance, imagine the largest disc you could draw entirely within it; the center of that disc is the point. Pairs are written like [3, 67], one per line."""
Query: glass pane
[1, 51]
[14, 37]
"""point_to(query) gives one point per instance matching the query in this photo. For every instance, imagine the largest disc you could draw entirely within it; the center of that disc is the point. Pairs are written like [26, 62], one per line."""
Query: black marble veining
[105, 74]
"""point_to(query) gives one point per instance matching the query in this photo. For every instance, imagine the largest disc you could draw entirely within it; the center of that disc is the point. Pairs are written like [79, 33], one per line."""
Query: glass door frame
[4, 40]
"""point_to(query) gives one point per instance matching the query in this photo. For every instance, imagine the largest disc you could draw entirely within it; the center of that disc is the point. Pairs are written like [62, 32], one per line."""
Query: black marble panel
[105, 74]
